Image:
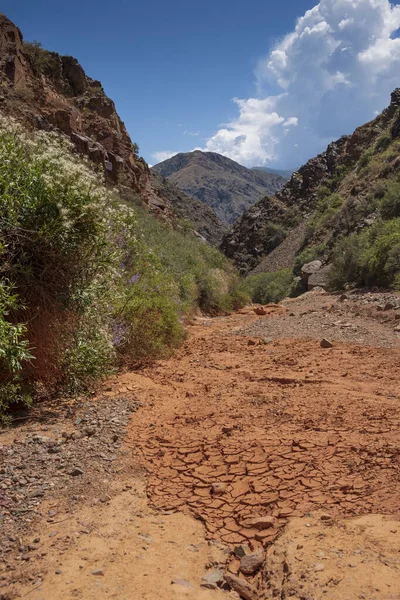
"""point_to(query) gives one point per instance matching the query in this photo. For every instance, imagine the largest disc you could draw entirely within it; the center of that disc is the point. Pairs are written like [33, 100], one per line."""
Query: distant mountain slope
[285, 173]
[203, 218]
[219, 182]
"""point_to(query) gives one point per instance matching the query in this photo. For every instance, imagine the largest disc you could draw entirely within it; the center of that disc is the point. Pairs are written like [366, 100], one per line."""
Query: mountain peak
[219, 182]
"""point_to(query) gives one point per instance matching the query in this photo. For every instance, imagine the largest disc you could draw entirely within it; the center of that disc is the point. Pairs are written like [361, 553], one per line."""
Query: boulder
[250, 563]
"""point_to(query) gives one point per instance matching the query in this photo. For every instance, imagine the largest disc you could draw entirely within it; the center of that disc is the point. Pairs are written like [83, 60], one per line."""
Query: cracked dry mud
[271, 442]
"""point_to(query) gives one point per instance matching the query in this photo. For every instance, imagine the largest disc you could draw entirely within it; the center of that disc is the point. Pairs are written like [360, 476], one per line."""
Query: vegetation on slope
[87, 282]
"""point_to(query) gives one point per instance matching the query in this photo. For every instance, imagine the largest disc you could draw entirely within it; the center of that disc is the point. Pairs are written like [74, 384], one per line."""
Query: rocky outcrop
[52, 92]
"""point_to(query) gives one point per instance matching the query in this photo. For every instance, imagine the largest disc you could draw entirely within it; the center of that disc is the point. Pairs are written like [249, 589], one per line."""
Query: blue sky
[174, 68]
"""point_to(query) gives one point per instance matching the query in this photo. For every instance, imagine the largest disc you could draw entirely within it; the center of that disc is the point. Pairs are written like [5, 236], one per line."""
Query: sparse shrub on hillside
[369, 258]
[325, 213]
[100, 283]
[273, 236]
[365, 158]
[383, 142]
[340, 173]
[39, 57]
[390, 204]
[269, 287]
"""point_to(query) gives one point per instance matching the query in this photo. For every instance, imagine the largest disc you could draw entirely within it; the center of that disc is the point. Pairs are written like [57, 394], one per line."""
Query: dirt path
[270, 445]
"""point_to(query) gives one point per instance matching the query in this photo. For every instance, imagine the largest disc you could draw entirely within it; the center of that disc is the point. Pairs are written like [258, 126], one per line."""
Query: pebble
[76, 471]
[326, 343]
[98, 572]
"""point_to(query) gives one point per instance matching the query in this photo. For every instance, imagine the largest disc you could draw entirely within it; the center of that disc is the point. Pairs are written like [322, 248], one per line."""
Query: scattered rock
[250, 563]
[326, 343]
[239, 551]
[98, 572]
[75, 472]
[261, 312]
[241, 586]
[213, 579]
[219, 488]
[251, 343]
[182, 582]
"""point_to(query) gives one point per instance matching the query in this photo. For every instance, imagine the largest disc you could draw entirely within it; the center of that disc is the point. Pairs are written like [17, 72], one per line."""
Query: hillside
[219, 182]
[350, 189]
[202, 217]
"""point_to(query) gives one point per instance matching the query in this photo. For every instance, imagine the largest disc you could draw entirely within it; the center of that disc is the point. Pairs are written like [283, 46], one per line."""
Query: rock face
[52, 92]
[254, 243]
[220, 183]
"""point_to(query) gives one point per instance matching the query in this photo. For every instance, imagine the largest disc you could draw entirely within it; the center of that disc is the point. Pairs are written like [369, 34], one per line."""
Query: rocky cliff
[52, 92]
[219, 182]
[330, 196]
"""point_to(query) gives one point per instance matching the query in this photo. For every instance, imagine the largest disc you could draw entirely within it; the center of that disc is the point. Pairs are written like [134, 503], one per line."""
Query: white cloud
[163, 155]
[329, 75]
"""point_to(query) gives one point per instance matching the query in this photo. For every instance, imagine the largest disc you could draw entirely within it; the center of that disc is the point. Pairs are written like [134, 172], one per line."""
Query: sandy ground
[250, 419]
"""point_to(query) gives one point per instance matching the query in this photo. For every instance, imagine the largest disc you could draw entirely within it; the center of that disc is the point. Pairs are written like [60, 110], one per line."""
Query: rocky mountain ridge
[345, 173]
[219, 182]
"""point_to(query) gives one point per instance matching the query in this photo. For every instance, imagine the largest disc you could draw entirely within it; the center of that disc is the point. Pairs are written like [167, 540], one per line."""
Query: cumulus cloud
[329, 75]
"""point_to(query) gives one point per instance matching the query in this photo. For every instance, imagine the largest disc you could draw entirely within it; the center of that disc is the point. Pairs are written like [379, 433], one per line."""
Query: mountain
[351, 188]
[219, 182]
[201, 216]
[286, 174]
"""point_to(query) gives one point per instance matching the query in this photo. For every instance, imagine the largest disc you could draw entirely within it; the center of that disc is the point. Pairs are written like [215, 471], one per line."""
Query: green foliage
[327, 208]
[14, 350]
[102, 282]
[269, 287]
[39, 57]
[306, 256]
[383, 142]
[273, 236]
[390, 204]
[365, 158]
[370, 258]
[11, 394]
[340, 173]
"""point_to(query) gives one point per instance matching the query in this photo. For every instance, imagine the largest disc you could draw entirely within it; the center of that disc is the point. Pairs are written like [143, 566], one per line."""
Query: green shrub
[38, 56]
[365, 158]
[100, 281]
[390, 204]
[370, 258]
[269, 287]
[383, 142]
[326, 210]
